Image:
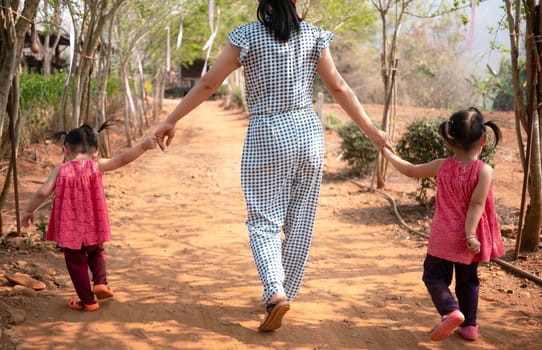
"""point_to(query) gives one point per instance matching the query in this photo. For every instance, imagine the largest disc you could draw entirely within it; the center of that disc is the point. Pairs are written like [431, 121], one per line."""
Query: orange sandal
[274, 313]
[75, 303]
[102, 291]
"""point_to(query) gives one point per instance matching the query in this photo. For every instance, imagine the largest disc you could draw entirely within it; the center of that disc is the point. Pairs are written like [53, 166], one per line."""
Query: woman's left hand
[383, 141]
[164, 135]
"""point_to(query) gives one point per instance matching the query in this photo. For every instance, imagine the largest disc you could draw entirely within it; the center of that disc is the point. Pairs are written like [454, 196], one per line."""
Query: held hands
[149, 143]
[164, 135]
[473, 244]
[383, 141]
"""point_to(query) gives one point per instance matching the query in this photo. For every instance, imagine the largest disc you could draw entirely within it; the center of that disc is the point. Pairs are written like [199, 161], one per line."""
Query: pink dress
[79, 215]
[455, 185]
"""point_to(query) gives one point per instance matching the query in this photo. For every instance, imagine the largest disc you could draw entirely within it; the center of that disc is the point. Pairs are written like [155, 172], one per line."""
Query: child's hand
[473, 244]
[149, 143]
[27, 218]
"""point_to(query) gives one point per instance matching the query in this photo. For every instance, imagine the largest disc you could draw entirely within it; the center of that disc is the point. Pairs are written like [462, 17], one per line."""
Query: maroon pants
[78, 263]
[437, 276]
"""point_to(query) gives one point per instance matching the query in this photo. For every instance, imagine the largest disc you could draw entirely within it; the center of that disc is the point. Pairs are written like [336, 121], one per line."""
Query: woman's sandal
[274, 313]
[102, 291]
[76, 304]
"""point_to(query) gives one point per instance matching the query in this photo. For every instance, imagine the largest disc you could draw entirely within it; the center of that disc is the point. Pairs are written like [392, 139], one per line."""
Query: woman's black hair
[465, 127]
[279, 17]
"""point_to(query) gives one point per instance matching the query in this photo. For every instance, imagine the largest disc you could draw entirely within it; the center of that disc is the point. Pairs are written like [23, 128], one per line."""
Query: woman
[281, 167]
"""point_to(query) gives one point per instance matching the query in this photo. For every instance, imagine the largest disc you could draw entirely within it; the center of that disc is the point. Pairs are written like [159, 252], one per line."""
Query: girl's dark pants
[78, 263]
[437, 276]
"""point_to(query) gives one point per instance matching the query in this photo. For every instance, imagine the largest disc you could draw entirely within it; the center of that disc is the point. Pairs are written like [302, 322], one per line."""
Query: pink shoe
[469, 332]
[447, 325]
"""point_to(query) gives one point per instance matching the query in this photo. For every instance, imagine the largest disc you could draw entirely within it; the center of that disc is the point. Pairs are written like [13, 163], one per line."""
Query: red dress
[455, 185]
[79, 215]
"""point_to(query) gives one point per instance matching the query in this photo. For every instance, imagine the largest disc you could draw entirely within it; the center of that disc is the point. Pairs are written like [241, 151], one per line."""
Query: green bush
[40, 96]
[42, 90]
[114, 85]
[331, 122]
[422, 143]
[41, 226]
[237, 97]
[357, 149]
[503, 101]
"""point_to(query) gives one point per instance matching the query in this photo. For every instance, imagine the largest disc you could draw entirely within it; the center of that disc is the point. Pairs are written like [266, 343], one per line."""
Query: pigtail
[496, 131]
[59, 138]
[87, 129]
[476, 110]
[444, 131]
[108, 124]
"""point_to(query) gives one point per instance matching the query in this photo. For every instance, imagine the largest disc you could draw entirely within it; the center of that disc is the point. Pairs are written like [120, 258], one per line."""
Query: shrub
[37, 89]
[40, 100]
[331, 122]
[357, 149]
[504, 101]
[422, 143]
[40, 97]
[237, 98]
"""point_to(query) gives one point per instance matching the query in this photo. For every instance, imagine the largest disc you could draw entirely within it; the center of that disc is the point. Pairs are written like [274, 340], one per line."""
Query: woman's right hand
[165, 134]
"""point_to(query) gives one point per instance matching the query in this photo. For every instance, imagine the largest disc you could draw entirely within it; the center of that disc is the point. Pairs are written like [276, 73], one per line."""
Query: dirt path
[184, 276]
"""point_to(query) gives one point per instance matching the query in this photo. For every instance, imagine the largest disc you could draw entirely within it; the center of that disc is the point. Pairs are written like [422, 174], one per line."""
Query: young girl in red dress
[464, 229]
[79, 220]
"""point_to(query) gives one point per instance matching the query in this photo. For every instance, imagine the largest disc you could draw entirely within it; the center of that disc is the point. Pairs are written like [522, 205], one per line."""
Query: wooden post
[320, 105]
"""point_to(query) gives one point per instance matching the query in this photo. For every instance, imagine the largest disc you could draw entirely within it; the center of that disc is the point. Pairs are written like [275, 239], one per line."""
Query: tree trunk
[531, 232]
[12, 40]
[47, 54]
[140, 114]
[8, 57]
[13, 112]
[527, 119]
[158, 93]
[128, 104]
[533, 217]
[98, 15]
[104, 69]
[143, 93]
[388, 69]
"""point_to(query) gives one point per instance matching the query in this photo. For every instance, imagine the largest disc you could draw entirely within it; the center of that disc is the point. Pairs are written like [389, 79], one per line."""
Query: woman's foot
[277, 298]
[274, 313]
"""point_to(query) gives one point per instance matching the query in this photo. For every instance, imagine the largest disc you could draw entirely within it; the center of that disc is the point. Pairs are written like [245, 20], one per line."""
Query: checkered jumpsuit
[281, 167]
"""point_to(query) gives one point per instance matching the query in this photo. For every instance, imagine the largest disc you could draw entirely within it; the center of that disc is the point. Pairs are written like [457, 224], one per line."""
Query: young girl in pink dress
[79, 220]
[464, 229]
